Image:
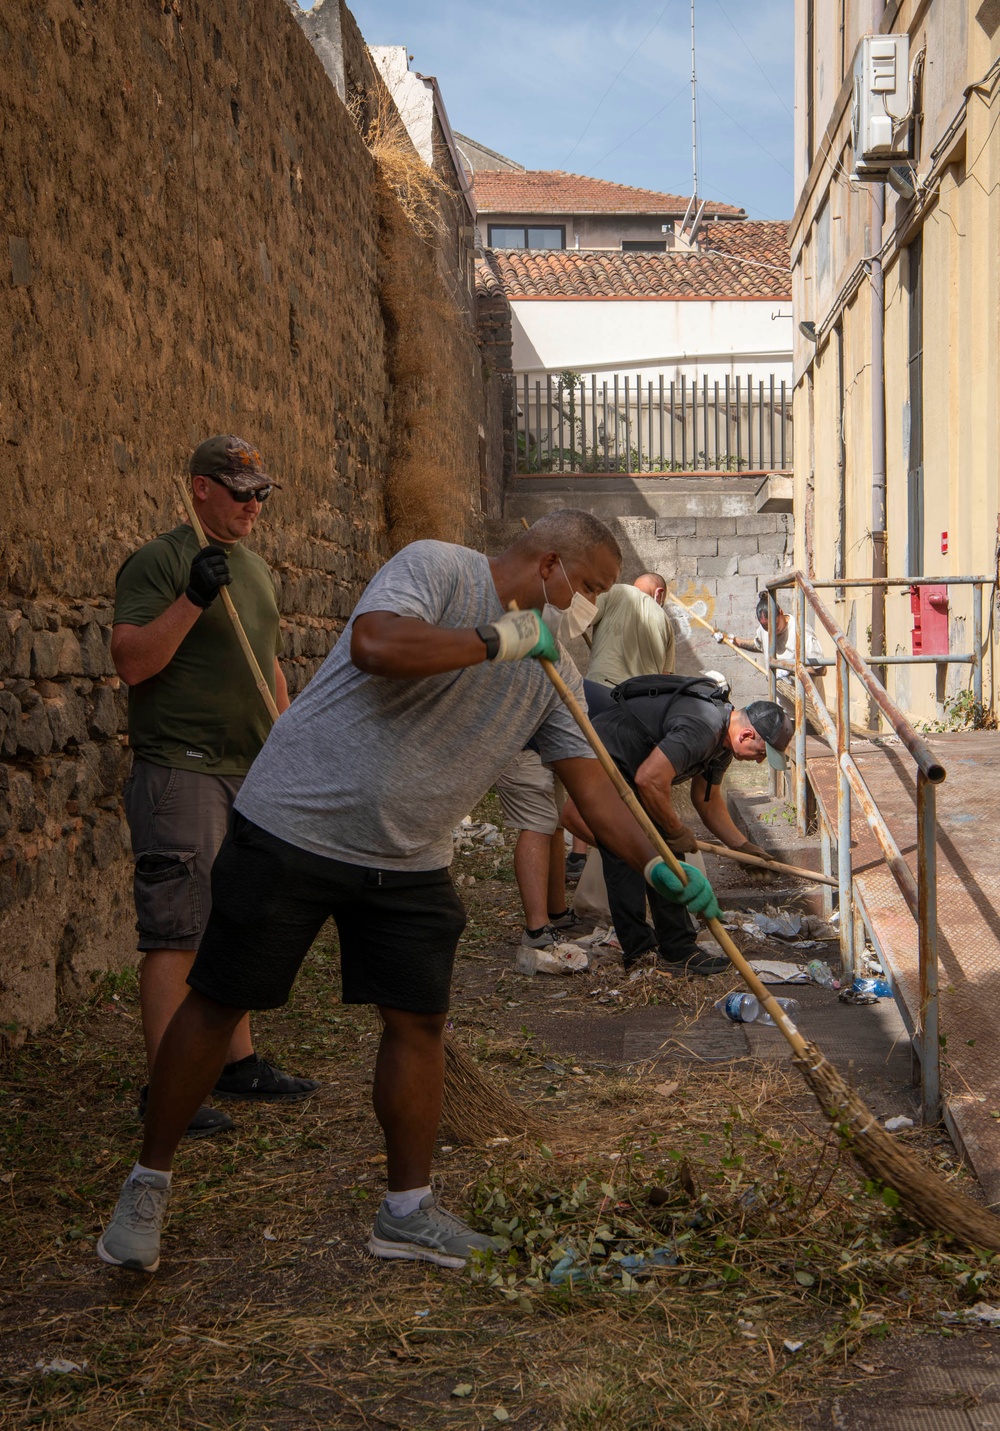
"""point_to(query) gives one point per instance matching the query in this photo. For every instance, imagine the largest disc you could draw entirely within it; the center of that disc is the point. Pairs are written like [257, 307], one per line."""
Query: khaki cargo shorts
[178, 820]
[530, 795]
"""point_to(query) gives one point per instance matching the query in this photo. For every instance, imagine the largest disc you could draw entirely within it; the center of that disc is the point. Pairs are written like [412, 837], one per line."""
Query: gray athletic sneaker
[544, 939]
[132, 1237]
[428, 1235]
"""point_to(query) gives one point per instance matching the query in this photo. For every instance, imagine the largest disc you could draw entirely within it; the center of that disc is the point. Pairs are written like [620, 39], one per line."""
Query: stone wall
[196, 240]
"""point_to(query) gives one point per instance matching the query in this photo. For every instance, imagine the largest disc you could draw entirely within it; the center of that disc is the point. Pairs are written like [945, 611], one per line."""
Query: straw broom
[474, 1107]
[922, 1195]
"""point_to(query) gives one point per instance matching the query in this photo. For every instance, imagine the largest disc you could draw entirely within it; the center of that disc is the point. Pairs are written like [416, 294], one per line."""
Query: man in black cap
[196, 722]
[661, 732]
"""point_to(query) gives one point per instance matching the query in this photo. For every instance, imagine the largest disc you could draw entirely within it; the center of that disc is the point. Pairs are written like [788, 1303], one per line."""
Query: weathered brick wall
[500, 426]
[194, 240]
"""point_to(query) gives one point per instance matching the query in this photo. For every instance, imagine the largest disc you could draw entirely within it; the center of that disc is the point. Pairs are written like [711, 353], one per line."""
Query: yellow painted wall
[958, 214]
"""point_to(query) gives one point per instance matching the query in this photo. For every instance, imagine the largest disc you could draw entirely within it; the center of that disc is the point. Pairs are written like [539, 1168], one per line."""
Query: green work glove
[697, 895]
[524, 633]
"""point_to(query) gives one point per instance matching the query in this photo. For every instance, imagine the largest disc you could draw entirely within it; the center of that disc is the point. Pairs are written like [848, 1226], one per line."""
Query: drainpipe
[879, 535]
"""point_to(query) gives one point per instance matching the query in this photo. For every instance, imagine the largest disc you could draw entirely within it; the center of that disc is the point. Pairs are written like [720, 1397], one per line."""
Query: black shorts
[398, 928]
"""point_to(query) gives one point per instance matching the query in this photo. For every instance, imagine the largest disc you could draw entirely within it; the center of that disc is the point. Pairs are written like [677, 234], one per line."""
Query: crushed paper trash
[791, 1346]
[59, 1366]
[775, 971]
[896, 1125]
[981, 1312]
[556, 959]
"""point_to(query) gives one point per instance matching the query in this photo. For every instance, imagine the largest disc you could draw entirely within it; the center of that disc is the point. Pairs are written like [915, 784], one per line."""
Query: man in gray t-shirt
[347, 814]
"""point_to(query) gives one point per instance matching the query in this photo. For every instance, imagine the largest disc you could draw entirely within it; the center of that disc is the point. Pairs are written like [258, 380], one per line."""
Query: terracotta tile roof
[550, 191]
[763, 242]
[488, 284]
[591, 273]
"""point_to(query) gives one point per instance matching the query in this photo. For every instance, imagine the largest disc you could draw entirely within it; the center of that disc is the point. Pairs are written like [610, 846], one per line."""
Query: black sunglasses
[261, 493]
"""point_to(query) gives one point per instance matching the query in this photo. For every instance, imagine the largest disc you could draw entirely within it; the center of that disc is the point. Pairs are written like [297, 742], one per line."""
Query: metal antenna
[694, 118]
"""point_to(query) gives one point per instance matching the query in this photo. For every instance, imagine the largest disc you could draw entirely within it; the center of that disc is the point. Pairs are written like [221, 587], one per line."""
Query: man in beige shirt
[633, 635]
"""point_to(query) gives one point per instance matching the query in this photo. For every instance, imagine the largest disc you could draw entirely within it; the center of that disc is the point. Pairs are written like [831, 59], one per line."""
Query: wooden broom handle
[767, 1000]
[772, 866]
[231, 612]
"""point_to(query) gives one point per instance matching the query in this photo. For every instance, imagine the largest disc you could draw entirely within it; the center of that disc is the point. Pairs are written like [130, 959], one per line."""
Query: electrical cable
[755, 59]
[616, 79]
[764, 150]
[676, 95]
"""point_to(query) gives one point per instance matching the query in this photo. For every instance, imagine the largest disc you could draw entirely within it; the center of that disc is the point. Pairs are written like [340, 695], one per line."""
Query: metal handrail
[920, 894]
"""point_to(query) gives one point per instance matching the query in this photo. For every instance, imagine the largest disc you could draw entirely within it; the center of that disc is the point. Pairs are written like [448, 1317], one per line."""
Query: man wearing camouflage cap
[196, 722]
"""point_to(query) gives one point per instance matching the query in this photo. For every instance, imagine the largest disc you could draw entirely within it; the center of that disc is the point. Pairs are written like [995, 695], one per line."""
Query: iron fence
[570, 423]
[920, 893]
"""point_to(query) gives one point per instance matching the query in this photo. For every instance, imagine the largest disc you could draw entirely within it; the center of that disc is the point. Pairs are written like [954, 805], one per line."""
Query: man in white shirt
[784, 644]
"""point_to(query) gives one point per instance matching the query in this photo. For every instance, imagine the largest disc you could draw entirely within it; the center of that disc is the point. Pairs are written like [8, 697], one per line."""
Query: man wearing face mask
[347, 813]
[531, 798]
[633, 635]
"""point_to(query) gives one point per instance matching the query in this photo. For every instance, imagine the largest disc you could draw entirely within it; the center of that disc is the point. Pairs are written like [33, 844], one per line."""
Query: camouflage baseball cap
[233, 461]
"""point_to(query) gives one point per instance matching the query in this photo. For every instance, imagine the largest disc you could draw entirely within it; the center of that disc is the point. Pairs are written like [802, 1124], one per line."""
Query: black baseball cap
[774, 728]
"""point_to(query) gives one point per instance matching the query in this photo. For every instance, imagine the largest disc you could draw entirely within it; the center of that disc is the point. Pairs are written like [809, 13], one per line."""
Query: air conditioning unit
[880, 128]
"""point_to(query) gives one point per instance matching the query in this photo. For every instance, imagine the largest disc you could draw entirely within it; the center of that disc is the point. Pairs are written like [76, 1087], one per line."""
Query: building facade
[895, 293]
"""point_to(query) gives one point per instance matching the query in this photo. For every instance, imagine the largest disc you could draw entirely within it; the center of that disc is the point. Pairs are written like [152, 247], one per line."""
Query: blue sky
[526, 78]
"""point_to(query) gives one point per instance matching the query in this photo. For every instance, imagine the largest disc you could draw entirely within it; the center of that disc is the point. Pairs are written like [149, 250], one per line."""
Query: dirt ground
[727, 1268]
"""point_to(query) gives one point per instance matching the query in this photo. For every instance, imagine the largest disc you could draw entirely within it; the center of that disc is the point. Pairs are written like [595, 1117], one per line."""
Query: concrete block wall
[704, 535]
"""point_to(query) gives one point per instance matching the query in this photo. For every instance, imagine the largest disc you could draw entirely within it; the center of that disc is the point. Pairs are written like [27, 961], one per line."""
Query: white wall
[696, 337]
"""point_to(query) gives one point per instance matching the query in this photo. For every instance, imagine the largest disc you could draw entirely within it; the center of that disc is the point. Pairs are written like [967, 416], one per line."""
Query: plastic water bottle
[790, 1006]
[740, 1008]
[820, 973]
[879, 987]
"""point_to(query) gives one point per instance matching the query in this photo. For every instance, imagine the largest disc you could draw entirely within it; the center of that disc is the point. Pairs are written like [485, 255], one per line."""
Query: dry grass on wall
[432, 358]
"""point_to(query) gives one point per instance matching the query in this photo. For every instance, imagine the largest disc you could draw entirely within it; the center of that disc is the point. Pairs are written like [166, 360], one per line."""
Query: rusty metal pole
[844, 876]
[801, 792]
[774, 779]
[977, 652]
[826, 860]
[927, 945]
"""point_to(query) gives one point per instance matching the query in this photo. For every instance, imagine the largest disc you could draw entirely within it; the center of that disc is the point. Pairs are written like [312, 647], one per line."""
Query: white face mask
[568, 622]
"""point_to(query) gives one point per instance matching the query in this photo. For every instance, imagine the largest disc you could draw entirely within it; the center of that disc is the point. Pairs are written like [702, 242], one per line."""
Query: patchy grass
[698, 1232]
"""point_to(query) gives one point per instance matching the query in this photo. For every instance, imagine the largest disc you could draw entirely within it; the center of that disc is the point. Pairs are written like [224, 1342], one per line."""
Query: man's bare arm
[606, 818]
[143, 651]
[406, 648]
[711, 806]
[281, 698]
[654, 780]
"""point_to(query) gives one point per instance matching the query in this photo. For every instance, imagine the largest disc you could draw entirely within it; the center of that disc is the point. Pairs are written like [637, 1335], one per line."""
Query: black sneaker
[574, 867]
[566, 924]
[204, 1123]
[699, 962]
[255, 1080]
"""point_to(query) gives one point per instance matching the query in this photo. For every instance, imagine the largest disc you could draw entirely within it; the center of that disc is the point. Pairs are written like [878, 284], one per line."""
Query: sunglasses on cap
[261, 493]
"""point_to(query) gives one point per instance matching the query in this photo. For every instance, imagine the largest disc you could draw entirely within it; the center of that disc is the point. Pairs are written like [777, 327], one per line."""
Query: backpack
[702, 687]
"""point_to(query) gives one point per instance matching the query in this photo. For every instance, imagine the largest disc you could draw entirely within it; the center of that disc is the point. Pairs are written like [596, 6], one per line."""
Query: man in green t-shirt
[196, 721]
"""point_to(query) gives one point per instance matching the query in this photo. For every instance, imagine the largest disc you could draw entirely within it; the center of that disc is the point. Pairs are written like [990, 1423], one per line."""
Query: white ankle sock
[401, 1204]
[140, 1172]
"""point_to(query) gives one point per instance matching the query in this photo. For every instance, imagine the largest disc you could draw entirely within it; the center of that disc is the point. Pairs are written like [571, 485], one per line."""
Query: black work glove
[684, 842]
[209, 574]
[749, 848]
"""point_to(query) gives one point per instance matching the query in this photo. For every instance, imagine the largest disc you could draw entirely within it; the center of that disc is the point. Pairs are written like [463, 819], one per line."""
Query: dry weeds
[267, 1313]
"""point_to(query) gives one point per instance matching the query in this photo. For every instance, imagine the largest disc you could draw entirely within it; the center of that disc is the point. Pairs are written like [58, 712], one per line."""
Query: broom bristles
[923, 1195]
[474, 1107]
